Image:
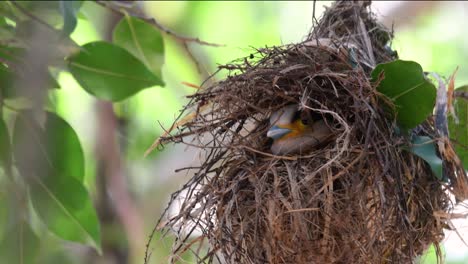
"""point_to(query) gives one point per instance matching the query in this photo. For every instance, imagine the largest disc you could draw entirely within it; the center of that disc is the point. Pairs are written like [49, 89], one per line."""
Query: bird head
[293, 131]
[286, 123]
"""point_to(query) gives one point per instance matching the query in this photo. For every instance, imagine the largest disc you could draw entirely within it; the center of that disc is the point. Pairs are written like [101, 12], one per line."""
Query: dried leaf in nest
[357, 197]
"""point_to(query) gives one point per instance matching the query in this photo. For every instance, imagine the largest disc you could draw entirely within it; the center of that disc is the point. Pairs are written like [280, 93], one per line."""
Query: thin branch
[184, 40]
[161, 27]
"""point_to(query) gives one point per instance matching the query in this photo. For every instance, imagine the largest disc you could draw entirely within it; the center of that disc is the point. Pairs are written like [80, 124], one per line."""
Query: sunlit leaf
[404, 83]
[425, 148]
[141, 39]
[5, 146]
[110, 72]
[19, 245]
[459, 131]
[66, 209]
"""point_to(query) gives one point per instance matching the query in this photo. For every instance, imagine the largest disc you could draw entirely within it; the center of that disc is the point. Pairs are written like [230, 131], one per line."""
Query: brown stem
[114, 181]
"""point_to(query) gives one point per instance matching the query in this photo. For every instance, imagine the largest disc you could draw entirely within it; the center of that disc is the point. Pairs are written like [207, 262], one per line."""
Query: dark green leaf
[8, 76]
[5, 146]
[459, 131]
[29, 152]
[12, 54]
[65, 207]
[50, 159]
[110, 72]
[4, 214]
[47, 11]
[56, 148]
[3, 21]
[7, 32]
[7, 10]
[52, 82]
[404, 83]
[63, 147]
[20, 245]
[425, 148]
[68, 11]
[142, 40]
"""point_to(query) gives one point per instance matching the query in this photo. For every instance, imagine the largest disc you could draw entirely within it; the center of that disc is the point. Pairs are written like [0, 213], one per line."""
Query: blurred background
[131, 191]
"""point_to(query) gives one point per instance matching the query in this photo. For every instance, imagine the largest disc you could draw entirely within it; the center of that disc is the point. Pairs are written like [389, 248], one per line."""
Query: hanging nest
[358, 197]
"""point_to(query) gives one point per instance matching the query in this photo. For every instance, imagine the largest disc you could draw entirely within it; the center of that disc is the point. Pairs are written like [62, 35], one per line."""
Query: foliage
[425, 148]
[412, 99]
[40, 153]
[404, 83]
[110, 70]
[458, 126]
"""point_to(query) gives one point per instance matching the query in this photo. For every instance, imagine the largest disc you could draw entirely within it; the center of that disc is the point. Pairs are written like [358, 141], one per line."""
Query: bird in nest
[295, 131]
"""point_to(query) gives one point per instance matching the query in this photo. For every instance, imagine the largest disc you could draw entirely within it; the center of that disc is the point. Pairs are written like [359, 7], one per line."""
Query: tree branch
[184, 40]
[158, 25]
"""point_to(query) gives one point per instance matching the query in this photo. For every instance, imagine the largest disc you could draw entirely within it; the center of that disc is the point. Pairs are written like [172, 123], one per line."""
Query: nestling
[293, 134]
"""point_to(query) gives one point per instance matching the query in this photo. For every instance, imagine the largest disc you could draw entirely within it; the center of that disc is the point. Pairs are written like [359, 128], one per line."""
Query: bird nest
[356, 197]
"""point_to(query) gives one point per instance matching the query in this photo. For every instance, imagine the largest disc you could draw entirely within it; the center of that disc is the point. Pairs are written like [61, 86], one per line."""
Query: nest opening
[356, 197]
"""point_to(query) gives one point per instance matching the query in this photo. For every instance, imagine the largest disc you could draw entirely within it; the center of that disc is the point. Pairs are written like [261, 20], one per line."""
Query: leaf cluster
[41, 156]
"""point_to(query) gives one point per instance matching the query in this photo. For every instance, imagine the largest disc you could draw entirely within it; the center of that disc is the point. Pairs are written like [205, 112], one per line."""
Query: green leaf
[8, 76]
[404, 83]
[50, 159]
[11, 53]
[47, 11]
[52, 82]
[425, 148]
[63, 147]
[3, 21]
[20, 245]
[7, 32]
[4, 210]
[459, 131]
[5, 147]
[110, 72]
[142, 40]
[57, 149]
[65, 207]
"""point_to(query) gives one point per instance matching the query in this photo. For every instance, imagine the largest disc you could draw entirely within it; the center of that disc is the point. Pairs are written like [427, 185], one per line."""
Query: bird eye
[304, 117]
